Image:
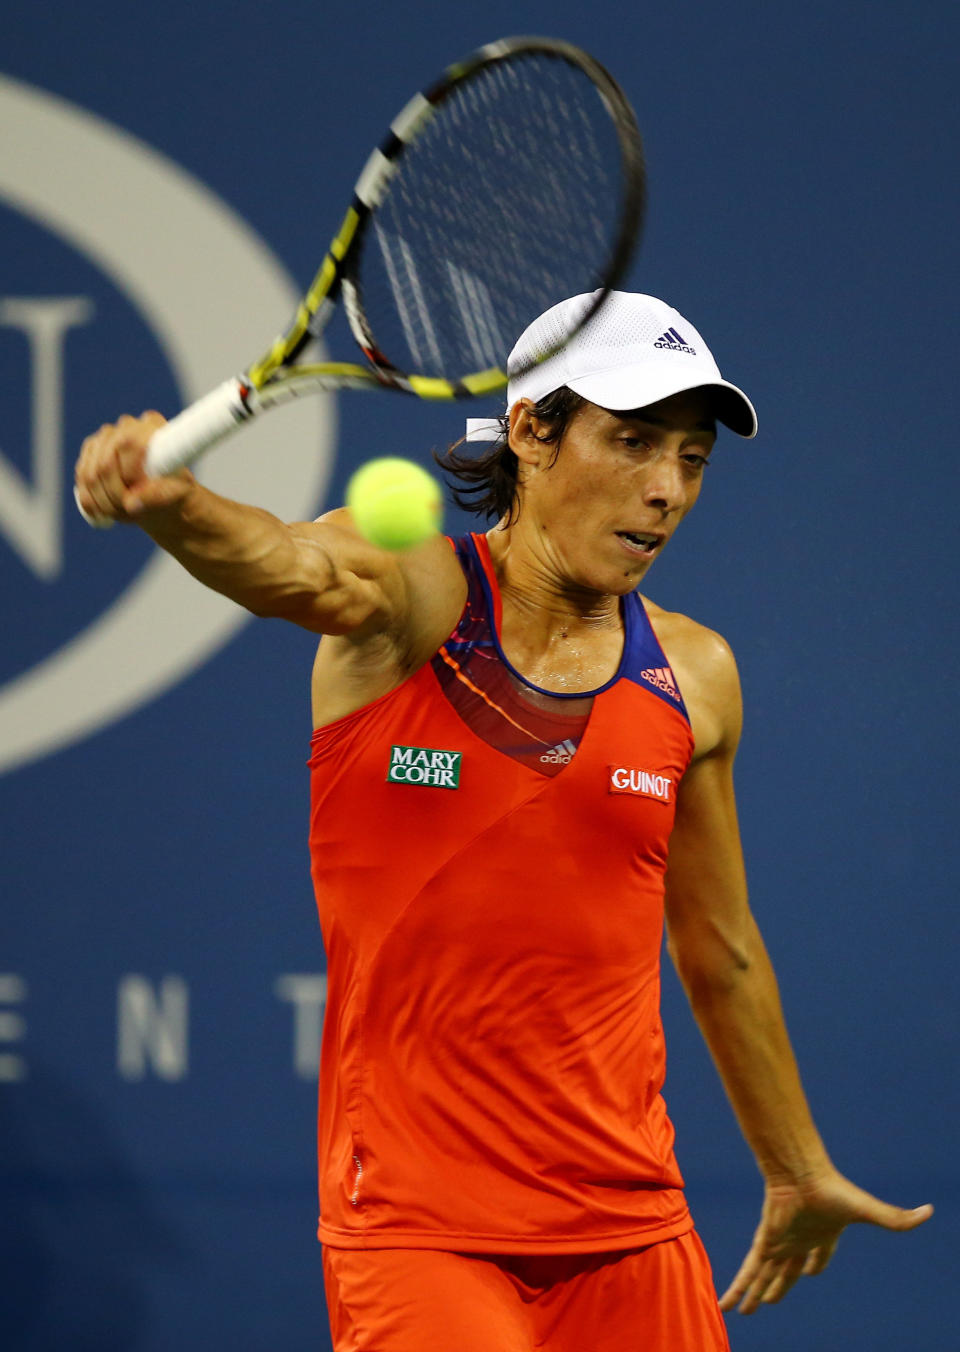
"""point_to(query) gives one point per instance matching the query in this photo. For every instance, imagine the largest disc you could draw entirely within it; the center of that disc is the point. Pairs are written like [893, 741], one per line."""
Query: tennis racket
[512, 182]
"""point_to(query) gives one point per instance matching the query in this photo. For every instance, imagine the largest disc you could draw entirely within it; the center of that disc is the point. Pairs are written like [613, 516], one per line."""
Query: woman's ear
[526, 432]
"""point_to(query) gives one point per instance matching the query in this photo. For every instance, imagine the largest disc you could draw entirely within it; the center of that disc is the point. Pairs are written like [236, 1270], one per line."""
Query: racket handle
[185, 438]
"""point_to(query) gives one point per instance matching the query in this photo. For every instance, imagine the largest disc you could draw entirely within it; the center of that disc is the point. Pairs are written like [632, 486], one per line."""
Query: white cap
[634, 352]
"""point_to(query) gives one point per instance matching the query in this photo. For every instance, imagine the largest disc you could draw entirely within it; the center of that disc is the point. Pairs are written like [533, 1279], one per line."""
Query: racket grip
[185, 438]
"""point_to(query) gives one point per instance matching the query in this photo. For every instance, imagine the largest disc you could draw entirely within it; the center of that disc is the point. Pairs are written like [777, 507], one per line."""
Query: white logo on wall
[153, 1025]
[176, 252]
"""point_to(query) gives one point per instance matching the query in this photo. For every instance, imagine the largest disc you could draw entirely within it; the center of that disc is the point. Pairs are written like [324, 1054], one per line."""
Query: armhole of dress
[481, 548]
[647, 664]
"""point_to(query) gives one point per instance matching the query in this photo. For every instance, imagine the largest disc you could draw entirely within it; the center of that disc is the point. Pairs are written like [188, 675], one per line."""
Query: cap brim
[632, 387]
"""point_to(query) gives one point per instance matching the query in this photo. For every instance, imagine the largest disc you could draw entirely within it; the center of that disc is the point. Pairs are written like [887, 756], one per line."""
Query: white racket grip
[184, 438]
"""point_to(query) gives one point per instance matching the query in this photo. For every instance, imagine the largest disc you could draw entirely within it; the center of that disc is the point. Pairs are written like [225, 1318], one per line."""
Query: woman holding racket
[519, 769]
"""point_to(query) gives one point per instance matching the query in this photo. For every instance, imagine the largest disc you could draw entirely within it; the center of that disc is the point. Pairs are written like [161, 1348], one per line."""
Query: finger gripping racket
[512, 182]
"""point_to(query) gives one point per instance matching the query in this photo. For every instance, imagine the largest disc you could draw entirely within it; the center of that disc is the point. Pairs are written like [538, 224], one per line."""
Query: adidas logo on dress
[663, 678]
[673, 342]
[561, 754]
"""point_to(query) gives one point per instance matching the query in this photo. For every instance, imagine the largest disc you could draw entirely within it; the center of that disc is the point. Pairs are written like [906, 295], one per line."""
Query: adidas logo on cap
[672, 341]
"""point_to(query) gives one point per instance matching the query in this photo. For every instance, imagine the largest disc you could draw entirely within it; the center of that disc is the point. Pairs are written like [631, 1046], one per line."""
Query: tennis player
[519, 765]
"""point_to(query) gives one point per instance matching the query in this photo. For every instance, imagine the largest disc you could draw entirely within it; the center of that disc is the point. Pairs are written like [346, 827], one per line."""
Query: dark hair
[488, 482]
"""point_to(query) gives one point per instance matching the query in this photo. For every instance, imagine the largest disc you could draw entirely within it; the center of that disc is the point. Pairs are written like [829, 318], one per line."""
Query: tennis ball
[395, 503]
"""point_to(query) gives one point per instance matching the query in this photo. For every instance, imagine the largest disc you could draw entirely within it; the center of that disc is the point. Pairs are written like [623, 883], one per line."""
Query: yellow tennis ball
[395, 503]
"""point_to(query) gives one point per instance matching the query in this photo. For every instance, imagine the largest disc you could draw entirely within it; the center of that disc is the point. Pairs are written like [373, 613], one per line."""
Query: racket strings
[508, 201]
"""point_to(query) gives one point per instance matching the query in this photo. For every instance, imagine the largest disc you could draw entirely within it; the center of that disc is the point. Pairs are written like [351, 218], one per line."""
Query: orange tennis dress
[489, 861]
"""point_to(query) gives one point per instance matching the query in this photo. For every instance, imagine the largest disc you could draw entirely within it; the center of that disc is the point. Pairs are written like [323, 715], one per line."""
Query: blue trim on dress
[641, 648]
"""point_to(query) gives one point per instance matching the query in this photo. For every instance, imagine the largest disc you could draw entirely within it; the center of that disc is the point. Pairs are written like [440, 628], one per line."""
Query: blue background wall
[803, 213]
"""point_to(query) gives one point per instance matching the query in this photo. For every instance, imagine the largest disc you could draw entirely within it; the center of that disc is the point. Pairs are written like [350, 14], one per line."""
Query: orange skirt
[656, 1299]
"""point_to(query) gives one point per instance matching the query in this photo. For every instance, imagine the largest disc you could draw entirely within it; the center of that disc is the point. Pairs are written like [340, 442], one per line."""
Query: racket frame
[335, 276]
[278, 377]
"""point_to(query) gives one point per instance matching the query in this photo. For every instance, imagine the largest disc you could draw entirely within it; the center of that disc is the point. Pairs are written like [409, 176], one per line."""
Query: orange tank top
[488, 861]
